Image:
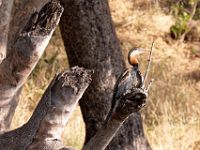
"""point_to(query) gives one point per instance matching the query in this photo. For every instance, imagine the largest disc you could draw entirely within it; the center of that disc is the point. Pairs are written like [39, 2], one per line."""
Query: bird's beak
[141, 50]
[138, 51]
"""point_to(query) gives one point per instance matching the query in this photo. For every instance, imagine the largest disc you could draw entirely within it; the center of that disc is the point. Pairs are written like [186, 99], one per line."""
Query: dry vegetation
[172, 115]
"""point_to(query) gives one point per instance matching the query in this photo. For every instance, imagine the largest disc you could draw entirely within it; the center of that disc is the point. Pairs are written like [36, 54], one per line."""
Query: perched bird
[130, 78]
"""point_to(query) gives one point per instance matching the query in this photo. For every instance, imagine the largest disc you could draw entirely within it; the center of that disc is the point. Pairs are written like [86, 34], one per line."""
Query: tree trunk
[91, 42]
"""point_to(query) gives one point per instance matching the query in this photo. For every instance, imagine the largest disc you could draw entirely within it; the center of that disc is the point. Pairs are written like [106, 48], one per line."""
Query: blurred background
[172, 114]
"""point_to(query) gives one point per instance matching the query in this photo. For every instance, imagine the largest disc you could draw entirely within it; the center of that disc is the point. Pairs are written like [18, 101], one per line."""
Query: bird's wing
[118, 82]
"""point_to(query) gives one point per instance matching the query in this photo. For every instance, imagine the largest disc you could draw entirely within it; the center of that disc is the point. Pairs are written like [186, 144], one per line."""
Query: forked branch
[44, 129]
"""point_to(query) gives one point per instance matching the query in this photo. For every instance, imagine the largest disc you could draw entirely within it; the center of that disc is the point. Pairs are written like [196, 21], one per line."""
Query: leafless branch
[148, 65]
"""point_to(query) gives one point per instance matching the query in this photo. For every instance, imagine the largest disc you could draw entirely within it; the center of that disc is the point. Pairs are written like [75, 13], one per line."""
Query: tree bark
[27, 50]
[21, 12]
[103, 136]
[90, 41]
[44, 129]
[5, 17]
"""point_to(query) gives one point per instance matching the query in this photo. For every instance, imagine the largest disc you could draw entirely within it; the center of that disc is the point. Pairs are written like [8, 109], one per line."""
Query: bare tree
[91, 42]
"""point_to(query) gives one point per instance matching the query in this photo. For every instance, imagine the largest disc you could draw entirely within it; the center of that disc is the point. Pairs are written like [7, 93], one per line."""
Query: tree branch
[27, 50]
[148, 65]
[128, 104]
[46, 125]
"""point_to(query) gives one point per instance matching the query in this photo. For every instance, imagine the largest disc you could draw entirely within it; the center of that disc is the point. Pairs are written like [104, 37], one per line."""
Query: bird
[130, 78]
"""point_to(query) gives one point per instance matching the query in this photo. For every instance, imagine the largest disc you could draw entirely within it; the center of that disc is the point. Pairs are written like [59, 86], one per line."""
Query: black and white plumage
[129, 79]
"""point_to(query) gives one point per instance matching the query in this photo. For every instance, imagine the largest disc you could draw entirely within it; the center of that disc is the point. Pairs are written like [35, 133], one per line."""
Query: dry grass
[172, 115]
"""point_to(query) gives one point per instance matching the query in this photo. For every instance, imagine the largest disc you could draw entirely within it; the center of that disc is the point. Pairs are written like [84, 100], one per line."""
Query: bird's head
[131, 56]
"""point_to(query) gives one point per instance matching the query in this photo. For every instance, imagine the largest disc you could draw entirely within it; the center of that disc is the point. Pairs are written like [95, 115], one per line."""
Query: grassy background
[172, 114]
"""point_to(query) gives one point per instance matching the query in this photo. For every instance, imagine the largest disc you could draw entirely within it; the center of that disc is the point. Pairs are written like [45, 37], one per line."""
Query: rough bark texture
[21, 12]
[5, 15]
[27, 50]
[90, 41]
[44, 129]
[103, 136]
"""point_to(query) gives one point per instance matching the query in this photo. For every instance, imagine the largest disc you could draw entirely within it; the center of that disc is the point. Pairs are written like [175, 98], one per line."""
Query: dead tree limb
[129, 103]
[27, 50]
[21, 12]
[5, 17]
[44, 129]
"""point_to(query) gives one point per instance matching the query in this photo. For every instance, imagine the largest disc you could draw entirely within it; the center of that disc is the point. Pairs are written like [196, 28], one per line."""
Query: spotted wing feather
[116, 93]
